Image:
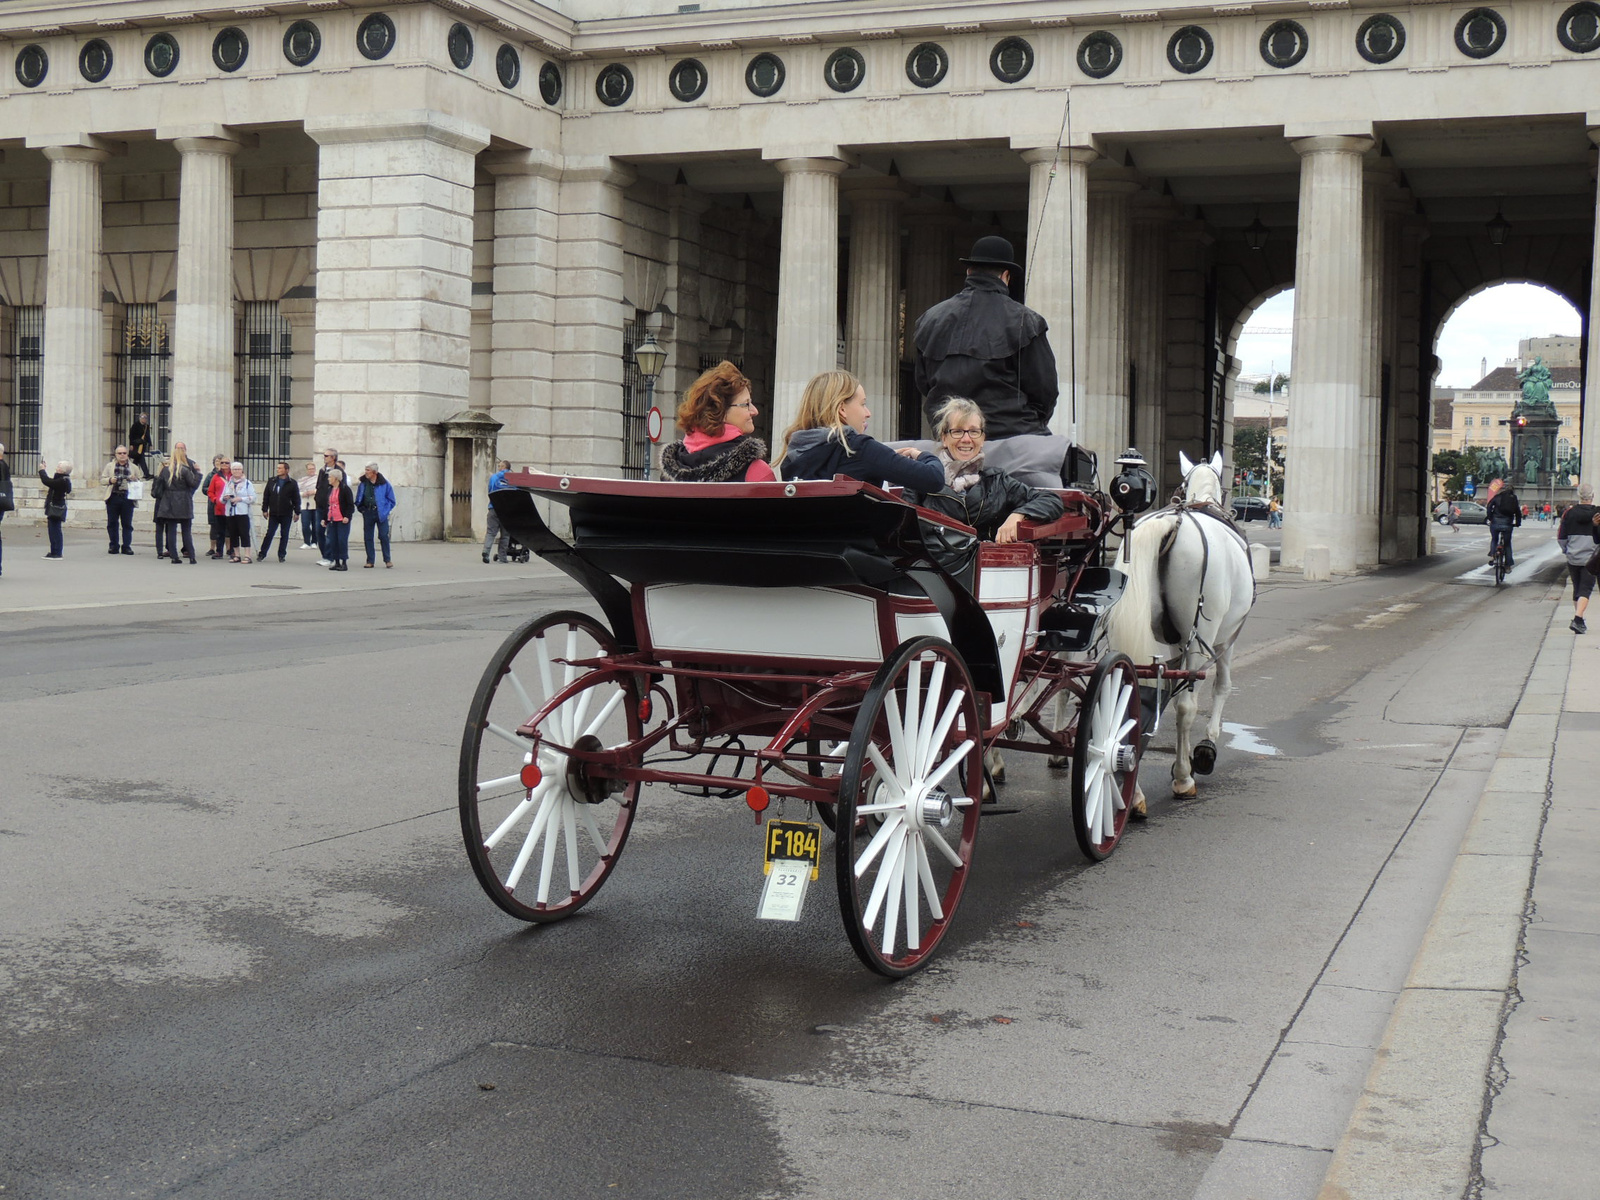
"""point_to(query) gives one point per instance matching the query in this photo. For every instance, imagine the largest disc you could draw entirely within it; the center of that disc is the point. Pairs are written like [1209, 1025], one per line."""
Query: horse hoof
[999, 776]
[1140, 810]
[1183, 793]
[1059, 761]
[1204, 757]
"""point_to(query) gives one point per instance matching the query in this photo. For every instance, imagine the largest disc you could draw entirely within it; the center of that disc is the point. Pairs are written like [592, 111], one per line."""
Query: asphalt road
[243, 954]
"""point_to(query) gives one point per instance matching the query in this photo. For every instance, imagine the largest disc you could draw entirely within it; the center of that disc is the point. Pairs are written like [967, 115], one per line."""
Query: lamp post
[650, 358]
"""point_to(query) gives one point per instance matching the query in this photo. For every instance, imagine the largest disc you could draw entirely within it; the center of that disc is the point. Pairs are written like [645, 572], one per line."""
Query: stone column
[808, 283]
[1147, 319]
[590, 315]
[930, 258]
[1188, 248]
[72, 389]
[1589, 445]
[1330, 481]
[1414, 412]
[394, 296]
[522, 343]
[1375, 183]
[1103, 419]
[685, 208]
[203, 387]
[1056, 258]
[872, 300]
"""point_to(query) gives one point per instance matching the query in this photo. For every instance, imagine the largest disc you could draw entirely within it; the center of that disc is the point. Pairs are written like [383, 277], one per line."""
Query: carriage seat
[1043, 460]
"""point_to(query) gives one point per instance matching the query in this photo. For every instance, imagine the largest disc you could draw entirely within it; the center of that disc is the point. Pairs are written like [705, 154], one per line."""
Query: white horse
[1189, 590]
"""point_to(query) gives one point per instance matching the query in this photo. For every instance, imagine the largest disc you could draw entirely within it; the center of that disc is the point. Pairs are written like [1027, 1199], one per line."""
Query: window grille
[635, 432]
[265, 405]
[25, 349]
[144, 377]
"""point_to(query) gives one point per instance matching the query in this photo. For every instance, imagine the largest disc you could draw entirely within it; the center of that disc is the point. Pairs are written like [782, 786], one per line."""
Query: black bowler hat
[992, 250]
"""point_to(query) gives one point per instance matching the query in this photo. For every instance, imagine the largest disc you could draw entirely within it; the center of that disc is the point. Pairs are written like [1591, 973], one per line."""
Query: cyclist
[1505, 514]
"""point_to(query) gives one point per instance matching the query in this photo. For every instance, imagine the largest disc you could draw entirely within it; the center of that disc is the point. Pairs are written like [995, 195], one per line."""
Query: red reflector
[757, 798]
[644, 709]
[531, 775]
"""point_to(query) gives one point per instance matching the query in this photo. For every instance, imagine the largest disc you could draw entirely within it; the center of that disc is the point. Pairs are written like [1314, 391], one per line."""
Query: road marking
[1528, 566]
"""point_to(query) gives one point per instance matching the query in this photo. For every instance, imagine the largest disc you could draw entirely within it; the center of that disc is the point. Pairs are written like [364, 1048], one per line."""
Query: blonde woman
[829, 438]
[175, 507]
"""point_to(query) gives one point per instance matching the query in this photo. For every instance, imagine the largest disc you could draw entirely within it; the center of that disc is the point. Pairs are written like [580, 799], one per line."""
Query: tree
[1279, 384]
[1249, 447]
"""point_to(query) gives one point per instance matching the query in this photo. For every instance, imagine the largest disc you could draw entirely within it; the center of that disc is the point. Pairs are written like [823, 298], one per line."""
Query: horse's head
[1202, 481]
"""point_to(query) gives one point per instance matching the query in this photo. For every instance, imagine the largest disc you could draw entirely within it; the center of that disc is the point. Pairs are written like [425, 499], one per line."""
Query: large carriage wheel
[908, 810]
[542, 836]
[1105, 756]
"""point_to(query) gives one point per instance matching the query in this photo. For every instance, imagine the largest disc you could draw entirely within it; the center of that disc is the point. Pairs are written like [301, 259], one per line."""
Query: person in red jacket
[221, 544]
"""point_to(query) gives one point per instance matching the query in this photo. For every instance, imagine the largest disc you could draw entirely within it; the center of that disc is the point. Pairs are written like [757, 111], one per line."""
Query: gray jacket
[177, 502]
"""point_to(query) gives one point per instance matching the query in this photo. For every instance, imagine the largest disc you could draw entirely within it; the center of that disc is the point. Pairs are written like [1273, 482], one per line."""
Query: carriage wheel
[908, 810]
[541, 836]
[1105, 757]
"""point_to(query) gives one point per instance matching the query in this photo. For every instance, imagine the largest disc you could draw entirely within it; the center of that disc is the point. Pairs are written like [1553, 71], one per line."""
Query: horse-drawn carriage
[824, 647]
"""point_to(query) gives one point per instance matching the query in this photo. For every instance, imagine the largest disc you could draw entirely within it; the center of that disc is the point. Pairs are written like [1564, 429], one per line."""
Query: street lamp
[650, 358]
[1256, 234]
[1498, 227]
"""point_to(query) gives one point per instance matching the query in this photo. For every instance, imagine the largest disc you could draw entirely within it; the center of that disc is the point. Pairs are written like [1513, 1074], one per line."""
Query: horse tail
[1131, 623]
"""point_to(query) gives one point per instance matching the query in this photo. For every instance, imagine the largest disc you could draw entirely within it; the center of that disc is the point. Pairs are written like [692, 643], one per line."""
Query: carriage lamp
[1134, 488]
[650, 358]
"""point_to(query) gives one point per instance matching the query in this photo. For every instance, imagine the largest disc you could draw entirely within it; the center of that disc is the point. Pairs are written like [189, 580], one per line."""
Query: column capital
[1110, 179]
[540, 163]
[805, 164]
[1046, 154]
[207, 145]
[1331, 143]
[418, 124]
[683, 198]
[597, 168]
[230, 140]
[1151, 208]
[886, 190]
[77, 147]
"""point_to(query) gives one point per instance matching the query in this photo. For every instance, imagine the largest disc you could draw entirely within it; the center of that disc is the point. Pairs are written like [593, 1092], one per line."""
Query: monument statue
[1535, 400]
[1493, 465]
[1532, 458]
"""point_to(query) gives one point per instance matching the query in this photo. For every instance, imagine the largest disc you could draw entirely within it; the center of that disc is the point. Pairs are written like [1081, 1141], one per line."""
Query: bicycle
[1497, 559]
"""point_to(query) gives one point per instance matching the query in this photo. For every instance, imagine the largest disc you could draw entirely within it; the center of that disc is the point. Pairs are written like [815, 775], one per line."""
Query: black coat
[56, 486]
[347, 501]
[997, 494]
[983, 345]
[817, 454]
[1505, 508]
[177, 501]
[280, 498]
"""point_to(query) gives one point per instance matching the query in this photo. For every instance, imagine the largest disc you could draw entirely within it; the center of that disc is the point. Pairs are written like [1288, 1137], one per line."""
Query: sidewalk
[1488, 1078]
[88, 577]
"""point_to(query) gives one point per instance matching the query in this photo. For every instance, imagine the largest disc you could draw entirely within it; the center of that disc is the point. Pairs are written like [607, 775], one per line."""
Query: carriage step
[993, 810]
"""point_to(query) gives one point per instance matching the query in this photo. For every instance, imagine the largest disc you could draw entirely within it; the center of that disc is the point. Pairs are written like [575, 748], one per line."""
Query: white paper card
[785, 893]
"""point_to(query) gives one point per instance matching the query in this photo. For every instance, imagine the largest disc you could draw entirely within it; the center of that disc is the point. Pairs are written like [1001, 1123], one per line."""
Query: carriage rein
[1193, 510]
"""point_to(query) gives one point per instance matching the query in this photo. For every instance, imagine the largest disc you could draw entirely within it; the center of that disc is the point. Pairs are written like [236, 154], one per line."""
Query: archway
[1259, 346]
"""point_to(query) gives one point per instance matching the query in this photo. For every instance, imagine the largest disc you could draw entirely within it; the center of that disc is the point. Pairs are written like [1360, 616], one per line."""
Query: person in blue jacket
[829, 438]
[375, 501]
[496, 534]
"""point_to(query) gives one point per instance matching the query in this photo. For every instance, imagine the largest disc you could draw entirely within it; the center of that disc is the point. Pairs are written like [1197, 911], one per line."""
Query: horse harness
[1193, 511]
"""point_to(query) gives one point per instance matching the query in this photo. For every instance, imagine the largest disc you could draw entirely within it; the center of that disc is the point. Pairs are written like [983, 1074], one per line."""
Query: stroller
[513, 550]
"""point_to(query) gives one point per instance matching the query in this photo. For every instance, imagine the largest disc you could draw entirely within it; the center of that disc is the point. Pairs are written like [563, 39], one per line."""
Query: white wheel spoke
[934, 838]
[880, 884]
[570, 672]
[1091, 797]
[491, 785]
[886, 774]
[930, 705]
[587, 813]
[548, 861]
[892, 893]
[569, 832]
[949, 764]
[545, 676]
[913, 731]
[605, 713]
[946, 719]
[867, 810]
[526, 701]
[578, 707]
[517, 813]
[541, 818]
[925, 871]
[911, 876]
[521, 743]
[897, 727]
[878, 842]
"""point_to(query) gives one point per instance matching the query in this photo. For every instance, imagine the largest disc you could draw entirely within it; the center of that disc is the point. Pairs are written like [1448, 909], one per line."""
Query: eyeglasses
[746, 404]
[965, 435]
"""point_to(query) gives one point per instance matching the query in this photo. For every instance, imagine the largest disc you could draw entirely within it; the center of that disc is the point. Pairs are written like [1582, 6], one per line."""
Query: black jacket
[347, 501]
[56, 486]
[322, 490]
[1505, 508]
[817, 454]
[177, 501]
[983, 345]
[997, 494]
[138, 439]
[281, 497]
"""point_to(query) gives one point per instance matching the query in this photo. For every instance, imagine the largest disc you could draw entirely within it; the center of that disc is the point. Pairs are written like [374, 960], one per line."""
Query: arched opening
[1260, 344]
[1488, 338]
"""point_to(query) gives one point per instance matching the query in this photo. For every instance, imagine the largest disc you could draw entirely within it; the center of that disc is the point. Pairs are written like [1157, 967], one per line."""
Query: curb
[1415, 1131]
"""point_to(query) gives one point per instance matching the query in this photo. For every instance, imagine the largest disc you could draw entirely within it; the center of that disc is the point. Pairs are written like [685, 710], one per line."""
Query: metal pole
[649, 403]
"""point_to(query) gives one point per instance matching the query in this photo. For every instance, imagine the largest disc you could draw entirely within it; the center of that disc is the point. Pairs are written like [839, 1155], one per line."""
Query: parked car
[1250, 508]
[1472, 513]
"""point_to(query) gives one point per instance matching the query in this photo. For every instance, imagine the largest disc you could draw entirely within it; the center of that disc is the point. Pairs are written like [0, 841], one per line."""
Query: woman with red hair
[719, 444]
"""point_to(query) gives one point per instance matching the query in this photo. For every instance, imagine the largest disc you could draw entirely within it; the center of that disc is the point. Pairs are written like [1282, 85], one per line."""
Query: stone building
[322, 223]
[1479, 412]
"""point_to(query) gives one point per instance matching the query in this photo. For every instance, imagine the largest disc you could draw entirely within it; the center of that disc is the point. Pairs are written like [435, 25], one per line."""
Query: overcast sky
[1489, 325]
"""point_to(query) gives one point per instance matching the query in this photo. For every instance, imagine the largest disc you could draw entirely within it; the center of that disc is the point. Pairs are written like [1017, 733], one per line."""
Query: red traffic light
[1521, 421]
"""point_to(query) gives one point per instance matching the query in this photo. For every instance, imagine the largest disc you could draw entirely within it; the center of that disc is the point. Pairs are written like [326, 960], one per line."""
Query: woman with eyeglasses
[829, 438]
[719, 444]
[992, 501]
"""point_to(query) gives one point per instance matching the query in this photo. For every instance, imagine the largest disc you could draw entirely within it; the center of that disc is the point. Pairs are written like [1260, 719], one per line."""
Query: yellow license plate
[794, 841]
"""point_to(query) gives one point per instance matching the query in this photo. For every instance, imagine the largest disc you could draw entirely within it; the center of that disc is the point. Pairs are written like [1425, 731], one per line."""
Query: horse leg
[1221, 689]
[1186, 707]
[997, 765]
[1062, 701]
